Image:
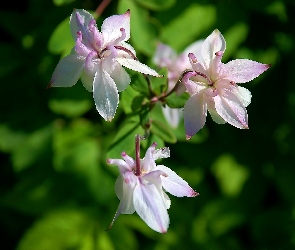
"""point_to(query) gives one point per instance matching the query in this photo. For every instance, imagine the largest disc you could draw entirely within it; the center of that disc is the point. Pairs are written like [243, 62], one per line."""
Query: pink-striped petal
[243, 70]
[230, 108]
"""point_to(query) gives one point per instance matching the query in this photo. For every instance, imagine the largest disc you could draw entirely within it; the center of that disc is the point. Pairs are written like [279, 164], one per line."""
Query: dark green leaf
[175, 101]
[125, 138]
[162, 130]
[160, 84]
[137, 103]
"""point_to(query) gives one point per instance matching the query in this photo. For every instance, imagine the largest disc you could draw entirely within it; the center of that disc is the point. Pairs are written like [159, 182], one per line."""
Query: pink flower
[212, 86]
[140, 187]
[97, 58]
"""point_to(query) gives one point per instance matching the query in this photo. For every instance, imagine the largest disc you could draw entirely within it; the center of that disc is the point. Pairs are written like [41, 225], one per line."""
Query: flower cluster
[98, 58]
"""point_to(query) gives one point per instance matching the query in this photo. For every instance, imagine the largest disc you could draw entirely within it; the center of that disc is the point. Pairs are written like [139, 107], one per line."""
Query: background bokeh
[56, 190]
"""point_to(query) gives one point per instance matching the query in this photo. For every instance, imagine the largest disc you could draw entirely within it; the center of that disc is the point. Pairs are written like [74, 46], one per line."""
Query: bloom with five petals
[98, 58]
[140, 187]
[212, 86]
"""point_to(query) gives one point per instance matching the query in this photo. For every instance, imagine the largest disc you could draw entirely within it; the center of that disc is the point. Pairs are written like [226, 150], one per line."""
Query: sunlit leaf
[230, 175]
[157, 5]
[62, 2]
[70, 108]
[196, 18]
[61, 40]
[32, 148]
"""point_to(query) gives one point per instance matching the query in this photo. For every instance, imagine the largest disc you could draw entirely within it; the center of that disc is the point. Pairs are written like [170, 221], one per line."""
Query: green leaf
[144, 32]
[160, 84]
[175, 101]
[144, 116]
[31, 149]
[61, 229]
[127, 98]
[234, 37]
[197, 18]
[70, 108]
[125, 138]
[162, 130]
[61, 40]
[62, 2]
[137, 103]
[138, 82]
[10, 139]
[157, 5]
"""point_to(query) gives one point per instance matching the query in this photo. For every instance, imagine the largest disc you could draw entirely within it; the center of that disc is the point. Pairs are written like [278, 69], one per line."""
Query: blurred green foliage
[56, 190]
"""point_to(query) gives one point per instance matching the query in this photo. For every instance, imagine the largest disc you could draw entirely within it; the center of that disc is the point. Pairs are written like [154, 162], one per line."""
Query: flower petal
[244, 95]
[148, 162]
[120, 76]
[195, 48]
[215, 116]
[79, 21]
[121, 164]
[213, 43]
[161, 153]
[124, 192]
[243, 70]
[164, 55]
[137, 66]
[230, 108]
[67, 71]
[111, 27]
[195, 112]
[172, 116]
[150, 207]
[105, 95]
[174, 184]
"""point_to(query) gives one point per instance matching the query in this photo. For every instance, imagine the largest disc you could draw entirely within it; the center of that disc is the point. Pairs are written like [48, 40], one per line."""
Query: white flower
[97, 58]
[140, 187]
[212, 86]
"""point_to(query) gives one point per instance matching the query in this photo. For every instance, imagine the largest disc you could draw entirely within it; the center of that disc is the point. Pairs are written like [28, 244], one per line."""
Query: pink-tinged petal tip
[123, 154]
[194, 194]
[109, 161]
[188, 137]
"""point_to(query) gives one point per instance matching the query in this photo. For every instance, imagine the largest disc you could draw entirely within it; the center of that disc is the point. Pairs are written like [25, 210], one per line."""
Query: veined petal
[148, 162]
[67, 71]
[121, 77]
[137, 66]
[230, 108]
[213, 43]
[150, 207]
[215, 116]
[243, 70]
[105, 95]
[195, 111]
[111, 27]
[174, 184]
[79, 21]
[164, 55]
